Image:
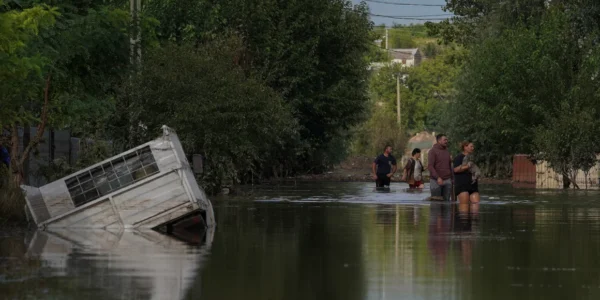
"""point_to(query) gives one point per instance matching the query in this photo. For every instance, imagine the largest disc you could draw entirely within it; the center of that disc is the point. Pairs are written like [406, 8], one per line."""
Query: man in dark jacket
[439, 165]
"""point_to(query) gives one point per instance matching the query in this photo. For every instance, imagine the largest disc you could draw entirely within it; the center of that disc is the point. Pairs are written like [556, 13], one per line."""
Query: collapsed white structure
[149, 186]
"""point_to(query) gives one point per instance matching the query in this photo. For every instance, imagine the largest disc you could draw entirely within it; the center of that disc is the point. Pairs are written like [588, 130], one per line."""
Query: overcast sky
[404, 10]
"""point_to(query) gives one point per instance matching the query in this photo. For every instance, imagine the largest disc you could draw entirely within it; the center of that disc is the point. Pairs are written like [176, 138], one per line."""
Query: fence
[53, 145]
[523, 169]
[526, 171]
[547, 178]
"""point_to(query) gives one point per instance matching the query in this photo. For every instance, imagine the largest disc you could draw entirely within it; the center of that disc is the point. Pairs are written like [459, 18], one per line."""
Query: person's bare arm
[394, 168]
[461, 168]
[374, 170]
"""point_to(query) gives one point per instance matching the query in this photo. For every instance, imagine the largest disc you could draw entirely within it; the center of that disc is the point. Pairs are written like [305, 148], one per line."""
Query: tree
[313, 53]
[430, 89]
[22, 79]
[425, 90]
[82, 59]
[401, 39]
[235, 121]
[475, 19]
[516, 101]
[569, 142]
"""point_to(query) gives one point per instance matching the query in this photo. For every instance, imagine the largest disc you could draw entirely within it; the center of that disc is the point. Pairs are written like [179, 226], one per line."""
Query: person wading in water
[466, 189]
[439, 165]
[413, 171]
[384, 168]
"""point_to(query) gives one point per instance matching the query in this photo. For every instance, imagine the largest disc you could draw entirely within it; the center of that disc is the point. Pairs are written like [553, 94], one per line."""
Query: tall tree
[519, 85]
[22, 79]
[236, 122]
[70, 71]
[312, 52]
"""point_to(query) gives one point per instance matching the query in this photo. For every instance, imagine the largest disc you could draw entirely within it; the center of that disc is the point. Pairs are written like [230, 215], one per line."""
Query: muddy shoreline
[358, 169]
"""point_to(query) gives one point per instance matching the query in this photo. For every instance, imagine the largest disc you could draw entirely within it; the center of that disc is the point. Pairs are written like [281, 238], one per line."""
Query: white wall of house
[405, 62]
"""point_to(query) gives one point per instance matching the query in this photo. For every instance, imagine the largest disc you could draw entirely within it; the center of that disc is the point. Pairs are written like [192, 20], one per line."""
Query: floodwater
[329, 241]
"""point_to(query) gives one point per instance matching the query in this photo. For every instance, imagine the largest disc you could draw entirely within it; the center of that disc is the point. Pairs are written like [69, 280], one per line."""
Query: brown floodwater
[328, 241]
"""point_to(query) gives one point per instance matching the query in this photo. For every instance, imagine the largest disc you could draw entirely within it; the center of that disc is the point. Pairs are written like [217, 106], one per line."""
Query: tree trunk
[16, 169]
[17, 161]
[566, 181]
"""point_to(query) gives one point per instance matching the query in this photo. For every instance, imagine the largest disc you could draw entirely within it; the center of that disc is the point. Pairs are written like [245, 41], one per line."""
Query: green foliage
[310, 52]
[376, 53]
[235, 121]
[431, 50]
[477, 19]
[379, 130]
[569, 141]
[430, 89]
[401, 39]
[425, 89]
[524, 88]
[20, 69]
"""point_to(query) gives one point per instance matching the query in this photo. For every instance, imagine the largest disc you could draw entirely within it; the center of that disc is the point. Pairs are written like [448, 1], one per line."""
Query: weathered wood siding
[164, 156]
[151, 199]
[189, 180]
[57, 198]
[167, 192]
[200, 196]
[98, 215]
[37, 205]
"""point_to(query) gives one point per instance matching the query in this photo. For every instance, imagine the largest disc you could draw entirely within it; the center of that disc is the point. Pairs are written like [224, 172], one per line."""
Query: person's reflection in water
[450, 223]
[466, 222]
[440, 224]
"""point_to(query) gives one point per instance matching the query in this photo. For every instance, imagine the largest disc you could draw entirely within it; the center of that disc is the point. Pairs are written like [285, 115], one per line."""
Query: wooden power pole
[398, 99]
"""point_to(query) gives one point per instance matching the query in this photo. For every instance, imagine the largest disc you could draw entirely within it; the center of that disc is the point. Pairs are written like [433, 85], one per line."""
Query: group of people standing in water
[450, 179]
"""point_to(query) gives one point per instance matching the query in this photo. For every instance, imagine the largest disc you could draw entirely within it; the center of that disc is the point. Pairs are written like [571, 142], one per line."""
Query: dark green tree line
[530, 82]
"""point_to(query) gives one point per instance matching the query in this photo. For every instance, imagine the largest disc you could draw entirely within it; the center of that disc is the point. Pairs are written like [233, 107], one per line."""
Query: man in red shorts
[413, 171]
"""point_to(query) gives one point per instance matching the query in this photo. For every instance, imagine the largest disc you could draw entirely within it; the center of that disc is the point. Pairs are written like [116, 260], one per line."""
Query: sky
[404, 11]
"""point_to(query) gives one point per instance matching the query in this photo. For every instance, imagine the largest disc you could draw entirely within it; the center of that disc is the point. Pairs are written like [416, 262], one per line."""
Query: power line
[420, 16]
[408, 18]
[404, 4]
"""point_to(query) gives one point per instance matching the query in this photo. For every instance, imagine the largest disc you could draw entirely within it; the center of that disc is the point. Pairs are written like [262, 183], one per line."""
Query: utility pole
[398, 99]
[386, 39]
[135, 54]
[135, 40]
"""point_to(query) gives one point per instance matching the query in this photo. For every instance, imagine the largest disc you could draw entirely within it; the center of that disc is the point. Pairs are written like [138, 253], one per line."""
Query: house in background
[407, 57]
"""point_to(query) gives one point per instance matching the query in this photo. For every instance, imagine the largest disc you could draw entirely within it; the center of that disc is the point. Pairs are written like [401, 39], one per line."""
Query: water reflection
[354, 244]
[102, 264]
